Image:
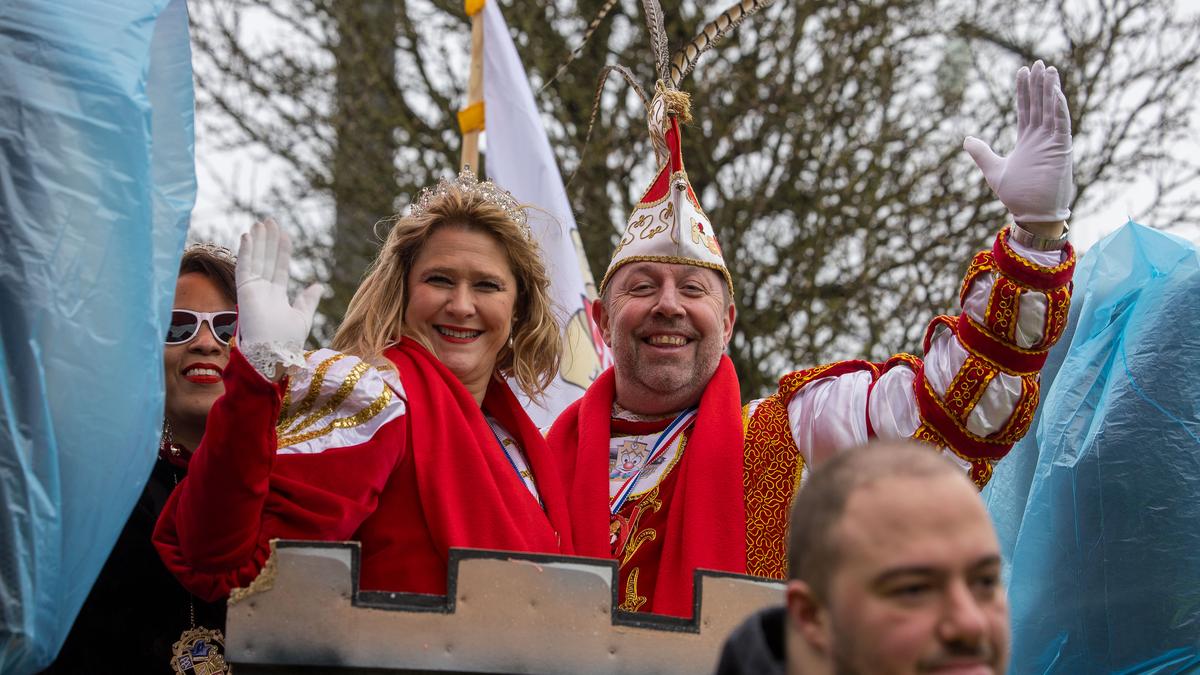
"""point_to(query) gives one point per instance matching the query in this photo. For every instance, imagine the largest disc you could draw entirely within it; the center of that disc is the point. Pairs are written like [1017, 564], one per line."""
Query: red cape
[470, 495]
[706, 515]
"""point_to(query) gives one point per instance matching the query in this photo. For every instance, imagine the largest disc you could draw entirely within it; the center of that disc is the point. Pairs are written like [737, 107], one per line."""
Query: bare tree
[826, 147]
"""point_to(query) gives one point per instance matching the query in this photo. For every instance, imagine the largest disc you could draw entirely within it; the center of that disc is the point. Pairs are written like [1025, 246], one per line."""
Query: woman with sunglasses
[203, 322]
[407, 438]
[136, 606]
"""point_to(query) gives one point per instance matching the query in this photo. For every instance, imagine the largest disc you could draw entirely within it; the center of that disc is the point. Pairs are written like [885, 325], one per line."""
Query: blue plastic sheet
[96, 183]
[1098, 508]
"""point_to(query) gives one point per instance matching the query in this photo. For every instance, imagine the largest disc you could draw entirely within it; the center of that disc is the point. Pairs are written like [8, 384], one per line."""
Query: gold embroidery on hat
[699, 236]
[667, 216]
[648, 227]
[673, 259]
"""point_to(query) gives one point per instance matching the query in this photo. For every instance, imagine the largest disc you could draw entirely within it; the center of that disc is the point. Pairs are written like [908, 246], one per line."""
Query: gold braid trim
[771, 468]
[310, 397]
[643, 536]
[632, 602]
[926, 434]
[967, 387]
[1058, 305]
[981, 469]
[265, 580]
[339, 397]
[1006, 234]
[1000, 315]
[772, 471]
[1022, 415]
[960, 424]
[636, 508]
[952, 324]
[982, 263]
[360, 417]
[672, 259]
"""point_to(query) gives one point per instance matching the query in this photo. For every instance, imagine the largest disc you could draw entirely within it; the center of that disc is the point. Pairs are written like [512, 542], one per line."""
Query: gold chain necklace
[199, 650]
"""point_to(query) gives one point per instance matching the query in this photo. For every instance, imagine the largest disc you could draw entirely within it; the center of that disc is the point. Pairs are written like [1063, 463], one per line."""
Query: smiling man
[668, 472]
[895, 568]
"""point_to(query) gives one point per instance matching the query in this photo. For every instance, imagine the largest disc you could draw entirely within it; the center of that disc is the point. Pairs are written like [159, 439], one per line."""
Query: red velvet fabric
[425, 481]
[703, 517]
[455, 488]
[470, 494]
[1012, 265]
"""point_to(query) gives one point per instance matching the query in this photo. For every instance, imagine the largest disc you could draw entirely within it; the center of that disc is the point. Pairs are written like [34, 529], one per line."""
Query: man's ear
[730, 318]
[808, 617]
[600, 316]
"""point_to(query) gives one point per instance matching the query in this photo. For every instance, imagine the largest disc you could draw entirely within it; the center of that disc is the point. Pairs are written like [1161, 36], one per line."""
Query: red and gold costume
[405, 462]
[972, 395]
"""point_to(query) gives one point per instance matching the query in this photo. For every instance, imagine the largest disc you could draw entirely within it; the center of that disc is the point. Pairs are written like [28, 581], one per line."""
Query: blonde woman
[405, 436]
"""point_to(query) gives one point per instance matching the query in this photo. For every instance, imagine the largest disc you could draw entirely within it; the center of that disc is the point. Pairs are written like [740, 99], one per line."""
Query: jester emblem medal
[198, 652]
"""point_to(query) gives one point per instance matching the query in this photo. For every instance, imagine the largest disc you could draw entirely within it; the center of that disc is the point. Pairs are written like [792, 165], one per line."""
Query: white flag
[519, 159]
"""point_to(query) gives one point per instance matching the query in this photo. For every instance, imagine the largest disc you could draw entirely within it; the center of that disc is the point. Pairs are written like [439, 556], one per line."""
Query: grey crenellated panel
[505, 613]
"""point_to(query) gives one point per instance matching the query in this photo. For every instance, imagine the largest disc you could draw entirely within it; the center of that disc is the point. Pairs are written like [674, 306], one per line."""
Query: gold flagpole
[470, 118]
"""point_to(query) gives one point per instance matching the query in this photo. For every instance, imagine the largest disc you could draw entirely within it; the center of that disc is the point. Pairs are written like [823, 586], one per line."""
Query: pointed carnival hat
[668, 225]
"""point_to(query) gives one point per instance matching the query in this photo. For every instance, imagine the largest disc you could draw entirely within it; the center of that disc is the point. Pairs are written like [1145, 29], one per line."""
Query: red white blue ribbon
[679, 425]
[513, 463]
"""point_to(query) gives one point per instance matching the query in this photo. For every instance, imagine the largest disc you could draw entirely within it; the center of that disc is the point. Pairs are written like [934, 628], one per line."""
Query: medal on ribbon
[673, 431]
[199, 652]
[620, 527]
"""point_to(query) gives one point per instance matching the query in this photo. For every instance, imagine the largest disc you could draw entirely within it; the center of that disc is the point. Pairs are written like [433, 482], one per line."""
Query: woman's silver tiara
[212, 249]
[466, 181]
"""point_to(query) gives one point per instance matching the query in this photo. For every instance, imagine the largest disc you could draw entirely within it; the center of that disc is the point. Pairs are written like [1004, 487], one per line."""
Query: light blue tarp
[1098, 508]
[96, 183]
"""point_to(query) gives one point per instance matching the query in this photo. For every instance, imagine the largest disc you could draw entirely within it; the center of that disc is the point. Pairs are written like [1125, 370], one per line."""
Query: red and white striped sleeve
[976, 389]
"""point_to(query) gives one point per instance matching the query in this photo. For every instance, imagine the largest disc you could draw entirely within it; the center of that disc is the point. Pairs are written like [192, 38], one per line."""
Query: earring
[166, 444]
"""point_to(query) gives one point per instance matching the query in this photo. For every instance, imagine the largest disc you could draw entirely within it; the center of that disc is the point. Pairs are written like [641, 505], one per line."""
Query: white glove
[1034, 182]
[271, 331]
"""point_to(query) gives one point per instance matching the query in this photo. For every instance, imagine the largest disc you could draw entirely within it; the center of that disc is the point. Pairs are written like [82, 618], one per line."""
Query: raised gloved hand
[1034, 181]
[271, 331]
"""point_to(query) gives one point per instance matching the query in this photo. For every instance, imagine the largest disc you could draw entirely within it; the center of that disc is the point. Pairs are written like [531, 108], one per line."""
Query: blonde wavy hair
[375, 316]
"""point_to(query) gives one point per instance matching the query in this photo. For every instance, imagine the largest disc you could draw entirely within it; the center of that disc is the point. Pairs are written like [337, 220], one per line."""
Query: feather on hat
[668, 225]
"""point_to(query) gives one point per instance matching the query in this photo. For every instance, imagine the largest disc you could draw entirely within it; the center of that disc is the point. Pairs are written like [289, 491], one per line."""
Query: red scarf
[706, 510]
[470, 493]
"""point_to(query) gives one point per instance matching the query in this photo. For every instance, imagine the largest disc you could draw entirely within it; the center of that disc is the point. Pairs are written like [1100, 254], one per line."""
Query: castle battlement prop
[504, 613]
